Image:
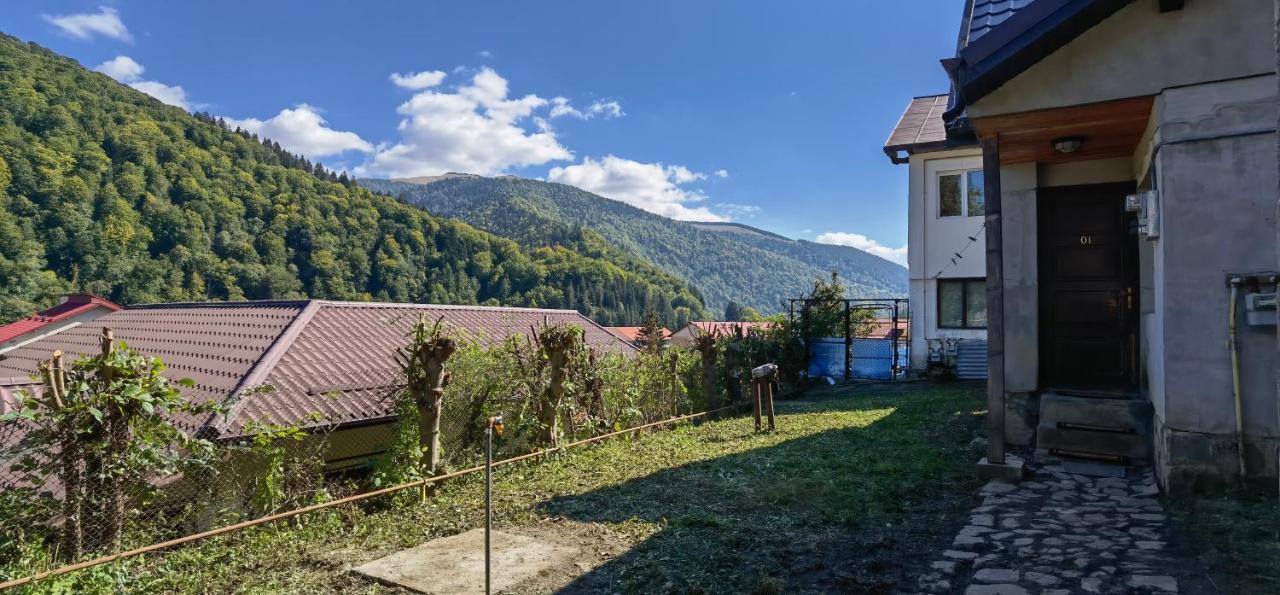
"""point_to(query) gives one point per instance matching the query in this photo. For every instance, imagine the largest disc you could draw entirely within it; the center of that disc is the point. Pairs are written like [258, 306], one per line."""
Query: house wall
[931, 243]
[1205, 41]
[1215, 169]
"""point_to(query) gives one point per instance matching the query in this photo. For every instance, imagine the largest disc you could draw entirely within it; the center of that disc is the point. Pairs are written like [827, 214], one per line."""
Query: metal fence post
[848, 342]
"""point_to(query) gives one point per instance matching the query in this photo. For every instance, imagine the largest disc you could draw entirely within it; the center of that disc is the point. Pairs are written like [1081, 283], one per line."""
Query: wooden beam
[995, 301]
[1110, 129]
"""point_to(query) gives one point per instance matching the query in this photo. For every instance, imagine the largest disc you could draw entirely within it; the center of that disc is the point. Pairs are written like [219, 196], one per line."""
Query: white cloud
[738, 210]
[129, 71]
[560, 106]
[171, 94]
[418, 80]
[303, 130]
[106, 22]
[866, 244]
[475, 129]
[721, 173]
[484, 54]
[653, 187]
[121, 68]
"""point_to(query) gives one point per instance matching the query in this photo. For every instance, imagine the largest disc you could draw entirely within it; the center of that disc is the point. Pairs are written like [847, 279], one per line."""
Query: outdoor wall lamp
[1067, 144]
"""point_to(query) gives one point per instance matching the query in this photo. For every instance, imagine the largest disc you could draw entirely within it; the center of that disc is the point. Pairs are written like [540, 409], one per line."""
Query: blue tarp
[872, 358]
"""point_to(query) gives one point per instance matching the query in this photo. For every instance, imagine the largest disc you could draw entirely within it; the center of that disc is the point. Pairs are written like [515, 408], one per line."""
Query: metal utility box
[1260, 309]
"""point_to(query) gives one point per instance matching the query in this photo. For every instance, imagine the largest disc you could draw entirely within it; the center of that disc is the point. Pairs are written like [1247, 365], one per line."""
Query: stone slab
[1012, 470]
[456, 564]
[1093, 469]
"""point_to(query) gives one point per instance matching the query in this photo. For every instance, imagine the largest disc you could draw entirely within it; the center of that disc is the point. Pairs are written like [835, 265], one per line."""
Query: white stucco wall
[932, 241]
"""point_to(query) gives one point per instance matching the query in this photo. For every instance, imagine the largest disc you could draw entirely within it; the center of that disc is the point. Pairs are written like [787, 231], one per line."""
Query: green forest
[107, 190]
[754, 269]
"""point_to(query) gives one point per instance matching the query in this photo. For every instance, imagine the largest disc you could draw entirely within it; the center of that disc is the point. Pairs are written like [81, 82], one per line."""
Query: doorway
[1088, 276]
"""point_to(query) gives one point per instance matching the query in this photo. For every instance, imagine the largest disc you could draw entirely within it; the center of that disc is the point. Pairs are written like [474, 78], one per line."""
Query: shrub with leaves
[105, 429]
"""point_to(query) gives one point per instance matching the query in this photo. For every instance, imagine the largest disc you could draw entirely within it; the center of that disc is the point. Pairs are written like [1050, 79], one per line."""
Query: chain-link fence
[180, 486]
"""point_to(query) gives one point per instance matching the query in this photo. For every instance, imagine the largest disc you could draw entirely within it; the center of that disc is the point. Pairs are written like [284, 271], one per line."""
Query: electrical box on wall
[1260, 309]
[1147, 205]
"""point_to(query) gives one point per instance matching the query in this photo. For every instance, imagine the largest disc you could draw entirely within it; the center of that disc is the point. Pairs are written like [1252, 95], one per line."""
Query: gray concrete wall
[1215, 170]
[1139, 51]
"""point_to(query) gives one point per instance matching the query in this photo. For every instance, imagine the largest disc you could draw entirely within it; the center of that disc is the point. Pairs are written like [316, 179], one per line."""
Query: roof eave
[1012, 47]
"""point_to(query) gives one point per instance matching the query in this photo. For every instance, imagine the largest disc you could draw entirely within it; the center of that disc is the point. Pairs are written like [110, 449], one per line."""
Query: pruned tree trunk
[430, 408]
[555, 395]
[706, 347]
[117, 425]
[53, 373]
[560, 344]
[423, 364]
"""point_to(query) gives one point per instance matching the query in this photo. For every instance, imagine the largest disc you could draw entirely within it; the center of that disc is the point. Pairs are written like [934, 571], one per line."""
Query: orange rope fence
[314, 507]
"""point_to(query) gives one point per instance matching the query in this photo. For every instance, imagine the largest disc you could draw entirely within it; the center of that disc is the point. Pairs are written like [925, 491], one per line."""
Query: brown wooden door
[1088, 287]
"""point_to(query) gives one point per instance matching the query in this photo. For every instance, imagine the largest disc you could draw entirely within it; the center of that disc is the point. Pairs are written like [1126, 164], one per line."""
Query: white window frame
[964, 192]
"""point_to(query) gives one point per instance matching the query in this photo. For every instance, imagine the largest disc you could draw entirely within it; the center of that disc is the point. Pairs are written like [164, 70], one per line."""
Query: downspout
[1235, 373]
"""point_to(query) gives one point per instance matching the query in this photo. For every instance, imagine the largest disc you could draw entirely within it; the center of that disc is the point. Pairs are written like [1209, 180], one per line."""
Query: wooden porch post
[995, 301]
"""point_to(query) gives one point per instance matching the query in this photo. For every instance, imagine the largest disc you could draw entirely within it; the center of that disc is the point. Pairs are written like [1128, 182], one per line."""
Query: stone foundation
[1194, 462]
[1021, 416]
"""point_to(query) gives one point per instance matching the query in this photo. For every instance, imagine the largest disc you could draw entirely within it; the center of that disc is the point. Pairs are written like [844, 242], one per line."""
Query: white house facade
[945, 240]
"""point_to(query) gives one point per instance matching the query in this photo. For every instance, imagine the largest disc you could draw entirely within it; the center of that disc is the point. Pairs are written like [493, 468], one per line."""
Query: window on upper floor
[960, 194]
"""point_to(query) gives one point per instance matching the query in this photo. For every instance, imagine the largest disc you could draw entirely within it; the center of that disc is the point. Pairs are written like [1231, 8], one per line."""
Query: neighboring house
[631, 334]
[945, 239]
[684, 336]
[73, 310]
[1108, 316]
[328, 357]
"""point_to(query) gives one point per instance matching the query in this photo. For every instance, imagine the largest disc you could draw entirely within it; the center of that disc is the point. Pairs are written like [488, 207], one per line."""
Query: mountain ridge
[107, 190]
[758, 272]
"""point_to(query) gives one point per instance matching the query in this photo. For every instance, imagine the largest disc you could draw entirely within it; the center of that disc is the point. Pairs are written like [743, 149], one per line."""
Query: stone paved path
[1061, 534]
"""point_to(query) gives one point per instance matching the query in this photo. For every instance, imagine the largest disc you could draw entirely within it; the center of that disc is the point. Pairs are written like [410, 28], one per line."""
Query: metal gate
[870, 341]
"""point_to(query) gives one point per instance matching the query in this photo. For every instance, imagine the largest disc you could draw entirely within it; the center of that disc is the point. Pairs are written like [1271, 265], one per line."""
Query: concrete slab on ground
[456, 564]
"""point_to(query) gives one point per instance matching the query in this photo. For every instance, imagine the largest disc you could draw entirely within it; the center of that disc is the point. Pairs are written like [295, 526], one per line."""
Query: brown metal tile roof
[333, 358]
[919, 129]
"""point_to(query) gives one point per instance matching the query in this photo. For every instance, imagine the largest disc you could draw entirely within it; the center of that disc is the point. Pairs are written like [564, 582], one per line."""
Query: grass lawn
[1244, 532]
[851, 490]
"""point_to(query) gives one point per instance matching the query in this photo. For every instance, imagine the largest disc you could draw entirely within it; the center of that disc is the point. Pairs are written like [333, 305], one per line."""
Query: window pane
[976, 304]
[950, 303]
[977, 200]
[949, 195]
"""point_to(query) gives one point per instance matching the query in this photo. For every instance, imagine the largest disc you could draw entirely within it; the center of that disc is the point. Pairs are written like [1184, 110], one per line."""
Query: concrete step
[1133, 414]
[1131, 446]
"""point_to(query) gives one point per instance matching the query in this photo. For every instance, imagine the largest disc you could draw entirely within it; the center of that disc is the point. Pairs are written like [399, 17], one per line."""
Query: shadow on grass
[845, 509]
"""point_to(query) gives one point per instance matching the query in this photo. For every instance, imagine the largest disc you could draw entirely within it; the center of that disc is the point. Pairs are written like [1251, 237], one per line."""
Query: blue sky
[767, 113]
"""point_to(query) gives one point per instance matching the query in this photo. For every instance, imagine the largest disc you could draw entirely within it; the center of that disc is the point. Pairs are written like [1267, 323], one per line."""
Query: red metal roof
[76, 304]
[333, 358]
[632, 333]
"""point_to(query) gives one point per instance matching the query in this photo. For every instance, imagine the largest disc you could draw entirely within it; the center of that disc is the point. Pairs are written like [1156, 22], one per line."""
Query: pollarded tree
[560, 345]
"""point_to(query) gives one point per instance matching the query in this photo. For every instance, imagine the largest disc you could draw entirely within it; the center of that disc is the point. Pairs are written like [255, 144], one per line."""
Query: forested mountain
[755, 272]
[104, 189]
[851, 263]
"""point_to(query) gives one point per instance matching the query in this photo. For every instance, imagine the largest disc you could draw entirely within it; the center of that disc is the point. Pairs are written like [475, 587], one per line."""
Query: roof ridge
[223, 304]
[345, 303]
[261, 369]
